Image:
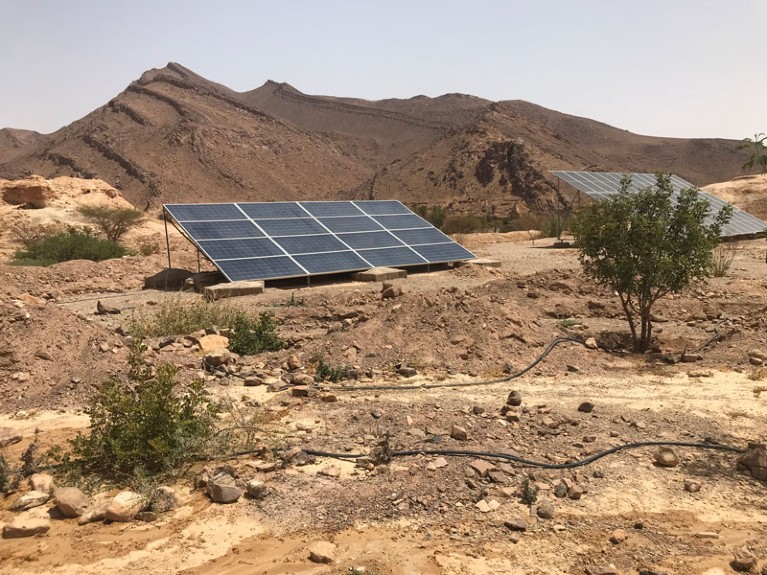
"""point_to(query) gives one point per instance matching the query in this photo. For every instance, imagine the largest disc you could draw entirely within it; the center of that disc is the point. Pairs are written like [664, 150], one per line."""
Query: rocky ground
[693, 511]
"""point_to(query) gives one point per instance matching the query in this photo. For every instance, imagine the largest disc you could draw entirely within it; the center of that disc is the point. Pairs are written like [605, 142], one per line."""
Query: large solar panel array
[275, 240]
[602, 185]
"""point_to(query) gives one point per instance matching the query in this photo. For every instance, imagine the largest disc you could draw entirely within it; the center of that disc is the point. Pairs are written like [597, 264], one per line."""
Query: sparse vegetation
[644, 246]
[330, 372]
[146, 428]
[252, 336]
[113, 222]
[28, 233]
[177, 317]
[723, 256]
[148, 248]
[73, 244]
[529, 494]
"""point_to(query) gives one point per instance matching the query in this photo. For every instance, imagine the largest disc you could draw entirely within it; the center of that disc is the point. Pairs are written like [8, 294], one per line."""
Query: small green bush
[330, 372]
[149, 427]
[529, 492]
[73, 244]
[252, 336]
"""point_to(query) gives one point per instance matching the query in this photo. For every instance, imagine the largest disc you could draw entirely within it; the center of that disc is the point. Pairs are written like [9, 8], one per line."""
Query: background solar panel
[292, 239]
[602, 185]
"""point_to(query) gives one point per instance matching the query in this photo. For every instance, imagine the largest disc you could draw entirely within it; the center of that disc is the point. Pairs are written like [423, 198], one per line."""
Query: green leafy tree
[73, 244]
[114, 222]
[646, 244]
[758, 148]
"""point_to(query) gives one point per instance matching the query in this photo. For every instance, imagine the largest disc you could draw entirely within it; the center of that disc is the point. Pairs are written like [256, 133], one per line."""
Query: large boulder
[70, 501]
[9, 436]
[125, 506]
[223, 488]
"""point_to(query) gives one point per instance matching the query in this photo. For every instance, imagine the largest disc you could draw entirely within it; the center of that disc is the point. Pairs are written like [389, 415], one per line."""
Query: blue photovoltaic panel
[227, 250]
[602, 185]
[204, 212]
[351, 224]
[364, 240]
[222, 230]
[273, 210]
[291, 239]
[292, 227]
[331, 209]
[422, 236]
[260, 268]
[310, 244]
[402, 222]
[332, 262]
[392, 257]
[383, 208]
[443, 252]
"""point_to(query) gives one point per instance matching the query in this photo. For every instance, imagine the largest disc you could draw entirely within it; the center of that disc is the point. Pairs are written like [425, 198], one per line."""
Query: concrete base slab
[379, 275]
[233, 289]
[485, 262]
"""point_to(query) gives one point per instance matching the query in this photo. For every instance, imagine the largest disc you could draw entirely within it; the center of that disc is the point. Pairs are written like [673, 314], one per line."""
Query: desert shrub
[723, 256]
[176, 317]
[73, 244]
[5, 476]
[28, 233]
[529, 493]
[252, 336]
[148, 248]
[329, 372]
[460, 238]
[114, 222]
[437, 216]
[456, 224]
[149, 427]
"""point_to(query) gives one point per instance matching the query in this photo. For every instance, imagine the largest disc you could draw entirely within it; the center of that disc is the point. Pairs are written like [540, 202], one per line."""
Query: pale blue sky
[684, 68]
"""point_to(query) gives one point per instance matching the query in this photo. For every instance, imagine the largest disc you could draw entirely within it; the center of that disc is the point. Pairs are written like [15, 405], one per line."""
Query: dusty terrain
[426, 514]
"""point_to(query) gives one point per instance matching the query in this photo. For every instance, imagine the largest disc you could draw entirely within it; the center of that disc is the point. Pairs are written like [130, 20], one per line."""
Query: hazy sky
[685, 68]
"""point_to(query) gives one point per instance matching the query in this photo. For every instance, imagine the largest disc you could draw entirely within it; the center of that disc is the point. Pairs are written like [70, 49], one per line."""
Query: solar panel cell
[204, 212]
[402, 222]
[350, 224]
[270, 210]
[364, 240]
[332, 262]
[260, 268]
[310, 244]
[229, 249]
[222, 230]
[323, 209]
[443, 252]
[392, 257]
[422, 236]
[383, 208]
[292, 227]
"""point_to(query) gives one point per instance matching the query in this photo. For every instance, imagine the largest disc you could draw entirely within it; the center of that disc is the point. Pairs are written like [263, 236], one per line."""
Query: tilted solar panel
[601, 185]
[273, 240]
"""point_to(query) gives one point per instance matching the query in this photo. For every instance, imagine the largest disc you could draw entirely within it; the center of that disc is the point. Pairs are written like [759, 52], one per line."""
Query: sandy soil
[419, 514]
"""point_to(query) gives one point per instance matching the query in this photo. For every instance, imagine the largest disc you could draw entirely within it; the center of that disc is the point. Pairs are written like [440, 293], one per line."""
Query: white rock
[125, 505]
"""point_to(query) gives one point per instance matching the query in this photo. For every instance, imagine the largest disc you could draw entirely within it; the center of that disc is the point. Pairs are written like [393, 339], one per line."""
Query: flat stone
[209, 343]
[322, 552]
[223, 488]
[618, 536]
[586, 407]
[545, 510]
[9, 436]
[96, 512]
[25, 527]
[379, 275]
[218, 357]
[516, 524]
[31, 499]
[232, 289]
[691, 486]
[602, 570]
[482, 467]
[459, 433]
[485, 262]
[438, 463]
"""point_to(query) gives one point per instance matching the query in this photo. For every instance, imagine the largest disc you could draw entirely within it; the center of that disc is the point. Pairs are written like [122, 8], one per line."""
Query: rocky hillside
[175, 136]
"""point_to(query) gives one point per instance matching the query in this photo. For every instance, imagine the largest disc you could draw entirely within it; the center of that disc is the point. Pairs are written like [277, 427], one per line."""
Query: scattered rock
[665, 457]
[218, 357]
[545, 510]
[165, 499]
[25, 527]
[586, 407]
[223, 488]
[690, 357]
[102, 309]
[406, 371]
[301, 391]
[41, 482]
[755, 461]
[743, 561]
[438, 463]
[256, 489]
[96, 512]
[691, 485]
[459, 433]
[30, 499]
[70, 501]
[482, 467]
[602, 570]
[591, 343]
[478, 410]
[302, 379]
[322, 552]
[125, 506]
[575, 492]
[618, 536]
[390, 291]
[146, 516]
[758, 354]
[294, 363]
[9, 436]
[516, 524]
[514, 399]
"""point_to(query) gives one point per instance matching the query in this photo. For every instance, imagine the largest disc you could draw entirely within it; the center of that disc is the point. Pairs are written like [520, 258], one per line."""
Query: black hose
[531, 463]
[514, 375]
